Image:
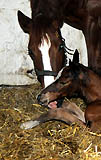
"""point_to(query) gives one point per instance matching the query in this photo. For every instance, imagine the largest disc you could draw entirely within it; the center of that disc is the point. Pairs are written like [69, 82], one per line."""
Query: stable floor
[49, 141]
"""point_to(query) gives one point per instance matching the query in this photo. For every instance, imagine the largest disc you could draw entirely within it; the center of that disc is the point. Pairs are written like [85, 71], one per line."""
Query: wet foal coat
[75, 80]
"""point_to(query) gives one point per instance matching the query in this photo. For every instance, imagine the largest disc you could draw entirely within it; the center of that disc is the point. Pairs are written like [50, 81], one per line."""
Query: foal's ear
[25, 22]
[76, 56]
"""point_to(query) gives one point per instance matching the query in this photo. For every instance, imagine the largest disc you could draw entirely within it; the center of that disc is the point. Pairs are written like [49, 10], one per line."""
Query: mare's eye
[61, 48]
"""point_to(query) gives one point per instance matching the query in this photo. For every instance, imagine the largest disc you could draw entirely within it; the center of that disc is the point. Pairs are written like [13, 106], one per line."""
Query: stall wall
[14, 58]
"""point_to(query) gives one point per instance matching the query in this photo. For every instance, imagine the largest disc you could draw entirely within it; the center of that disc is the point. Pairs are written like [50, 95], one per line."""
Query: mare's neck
[75, 5]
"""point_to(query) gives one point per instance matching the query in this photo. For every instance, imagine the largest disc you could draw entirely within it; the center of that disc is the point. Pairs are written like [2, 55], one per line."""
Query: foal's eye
[62, 83]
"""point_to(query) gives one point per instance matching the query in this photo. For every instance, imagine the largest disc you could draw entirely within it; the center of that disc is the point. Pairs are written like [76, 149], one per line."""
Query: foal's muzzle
[41, 100]
[44, 101]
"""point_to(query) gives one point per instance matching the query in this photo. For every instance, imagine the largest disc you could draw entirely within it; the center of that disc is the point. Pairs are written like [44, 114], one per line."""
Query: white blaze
[44, 48]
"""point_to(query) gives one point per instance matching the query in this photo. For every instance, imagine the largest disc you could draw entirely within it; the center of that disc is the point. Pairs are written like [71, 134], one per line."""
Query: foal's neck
[91, 91]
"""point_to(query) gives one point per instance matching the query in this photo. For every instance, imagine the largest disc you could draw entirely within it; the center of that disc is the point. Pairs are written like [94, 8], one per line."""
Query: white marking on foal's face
[44, 48]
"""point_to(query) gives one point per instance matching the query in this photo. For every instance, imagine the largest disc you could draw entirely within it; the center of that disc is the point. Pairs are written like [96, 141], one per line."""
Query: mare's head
[46, 46]
[68, 83]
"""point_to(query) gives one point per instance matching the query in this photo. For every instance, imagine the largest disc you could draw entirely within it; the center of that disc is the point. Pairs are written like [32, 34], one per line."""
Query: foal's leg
[61, 114]
[74, 109]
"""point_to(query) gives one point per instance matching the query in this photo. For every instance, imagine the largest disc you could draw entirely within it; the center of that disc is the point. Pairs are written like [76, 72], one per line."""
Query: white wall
[75, 40]
[13, 42]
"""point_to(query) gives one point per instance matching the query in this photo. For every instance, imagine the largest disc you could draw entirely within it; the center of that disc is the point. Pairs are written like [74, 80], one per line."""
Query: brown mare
[75, 80]
[81, 14]
[46, 46]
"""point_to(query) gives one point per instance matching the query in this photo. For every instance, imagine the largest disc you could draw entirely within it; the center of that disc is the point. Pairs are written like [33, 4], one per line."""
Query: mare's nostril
[38, 97]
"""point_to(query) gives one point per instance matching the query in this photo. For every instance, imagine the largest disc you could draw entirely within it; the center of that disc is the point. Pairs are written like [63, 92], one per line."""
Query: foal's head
[68, 83]
[45, 46]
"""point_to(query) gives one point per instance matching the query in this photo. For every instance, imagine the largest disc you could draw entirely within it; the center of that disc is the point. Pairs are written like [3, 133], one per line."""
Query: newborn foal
[75, 80]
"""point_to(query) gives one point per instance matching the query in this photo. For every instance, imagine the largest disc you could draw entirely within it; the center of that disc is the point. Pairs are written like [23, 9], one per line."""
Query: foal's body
[77, 80]
[93, 115]
[74, 80]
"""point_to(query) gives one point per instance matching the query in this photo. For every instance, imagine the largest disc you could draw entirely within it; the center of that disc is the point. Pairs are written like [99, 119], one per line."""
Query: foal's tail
[69, 113]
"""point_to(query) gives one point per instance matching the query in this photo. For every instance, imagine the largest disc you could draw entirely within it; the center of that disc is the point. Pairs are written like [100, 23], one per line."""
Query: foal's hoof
[29, 124]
